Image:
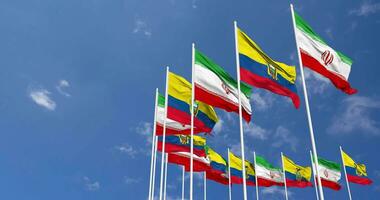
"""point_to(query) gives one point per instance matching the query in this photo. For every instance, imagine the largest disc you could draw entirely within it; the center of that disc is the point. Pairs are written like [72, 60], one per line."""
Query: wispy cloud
[316, 83]
[42, 98]
[272, 191]
[366, 8]
[194, 4]
[127, 149]
[283, 137]
[355, 114]
[91, 185]
[262, 100]
[141, 27]
[218, 126]
[130, 180]
[329, 33]
[145, 129]
[256, 131]
[62, 85]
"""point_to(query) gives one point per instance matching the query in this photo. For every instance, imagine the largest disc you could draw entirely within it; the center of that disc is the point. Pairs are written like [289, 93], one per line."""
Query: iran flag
[267, 175]
[330, 174]
[217, 88]
[321, 58]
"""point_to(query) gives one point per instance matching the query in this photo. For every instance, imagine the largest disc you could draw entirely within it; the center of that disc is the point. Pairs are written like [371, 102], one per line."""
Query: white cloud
[275, 191]
[194, 4]
[262, 100]
[91, 185]
[316, 83]
[283, 137]
[355, 115]
[62, 84]
[142, 28]
[218, 126]
[145, 129]
[41, 97]
[129, 180]
[255, 131]
[366, 8]
[127, 149]
[329, 33]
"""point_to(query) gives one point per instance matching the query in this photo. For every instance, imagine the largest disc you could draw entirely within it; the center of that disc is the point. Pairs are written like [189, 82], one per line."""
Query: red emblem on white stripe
[327, 57]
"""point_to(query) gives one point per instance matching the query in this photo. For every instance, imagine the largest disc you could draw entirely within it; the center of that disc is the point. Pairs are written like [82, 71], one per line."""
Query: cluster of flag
[188, 109]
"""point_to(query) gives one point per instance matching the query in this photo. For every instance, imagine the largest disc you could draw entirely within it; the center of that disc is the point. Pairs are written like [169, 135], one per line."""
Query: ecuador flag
[356, 173]
[296, 175]
[237, 170]
[181, 143]
[218, 167]
[259, 70]
[179, 101]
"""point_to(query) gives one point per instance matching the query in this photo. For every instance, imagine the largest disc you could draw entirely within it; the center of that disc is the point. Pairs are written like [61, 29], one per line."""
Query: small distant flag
[356, 173]
[218, 167]
[321, 58]
[179, 101]
[267, 174]
[296, 175]
[216, 87]
[330, 174]
[237, 171]
[181, 143]
[259, 70]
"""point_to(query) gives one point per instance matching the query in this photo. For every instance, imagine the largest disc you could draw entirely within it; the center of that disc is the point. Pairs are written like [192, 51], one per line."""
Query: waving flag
[321, 58]
[296, 175]
[330, 173]
[216, 87]
[267, 175]
[200, 163]
[259, 70]
[218, 167]
[179, 101]
[181, 143]
[237, 171]
[356, 173]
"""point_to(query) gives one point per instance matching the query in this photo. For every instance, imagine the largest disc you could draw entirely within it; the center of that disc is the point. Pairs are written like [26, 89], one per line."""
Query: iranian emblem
[326, 173]
[184, 139]
[272, 71]
[226, 88]
[298, 174]
[327, 57]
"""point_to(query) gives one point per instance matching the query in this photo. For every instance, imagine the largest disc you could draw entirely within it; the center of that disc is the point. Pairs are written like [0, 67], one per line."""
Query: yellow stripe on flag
[236, 163]
[349, 162]
[215, 157]
[293, 168]
[249, 48]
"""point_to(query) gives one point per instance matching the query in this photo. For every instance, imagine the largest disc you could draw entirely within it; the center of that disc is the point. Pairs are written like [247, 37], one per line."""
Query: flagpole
[183, 182]
[204, 186]
[154, 166]
[256, 182]
[307, 107]
[283, 171]
[345, 173]
[315, 181]
[166, 174]
[153, 145]
[164, 133]
[192, 121]
[229, 176]
[240, 113]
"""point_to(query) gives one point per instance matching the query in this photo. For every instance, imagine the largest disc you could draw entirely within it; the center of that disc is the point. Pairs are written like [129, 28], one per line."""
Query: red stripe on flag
[171, 148]
[359, 180]
[267, 183]
[338, 81]
[329, 184]
[185, 161]
[299, 184]
[184, 117]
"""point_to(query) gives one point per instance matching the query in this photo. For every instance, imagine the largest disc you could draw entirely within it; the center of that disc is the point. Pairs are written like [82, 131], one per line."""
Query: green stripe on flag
[261, 161]
[207, 63]
[329, 164]
[305, 27]
[161, 100]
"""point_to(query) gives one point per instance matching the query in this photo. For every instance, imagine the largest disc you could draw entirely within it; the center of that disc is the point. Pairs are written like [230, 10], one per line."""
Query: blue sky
[77, 88]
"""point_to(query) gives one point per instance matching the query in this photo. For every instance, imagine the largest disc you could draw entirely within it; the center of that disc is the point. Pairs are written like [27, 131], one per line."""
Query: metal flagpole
[345, 173]
[183, 182]
[283, 171]
[307, 107]
[229, 176]
[204, 186]
[315, 180]
[240, 113]
[256, 182]
[153, 145]
[164, 133]
[154, 166]
[166, 174]
[192, 121]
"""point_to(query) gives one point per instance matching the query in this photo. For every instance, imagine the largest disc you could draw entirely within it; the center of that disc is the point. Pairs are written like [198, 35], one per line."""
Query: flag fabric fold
[259, 70]
[296, 175]
[317, 55]
[356, 173]
[179, 106]
[216, 87]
